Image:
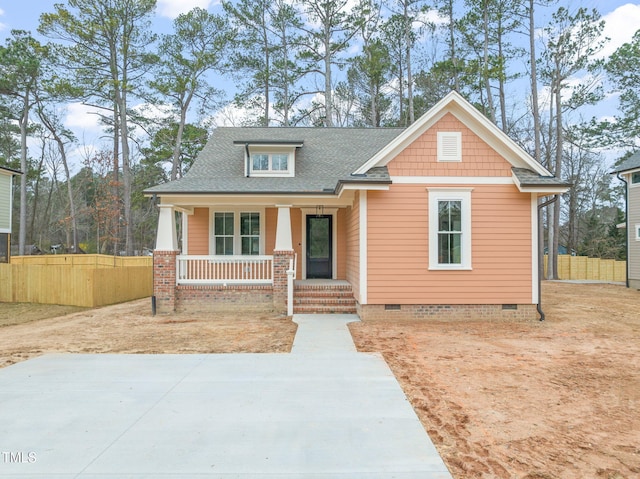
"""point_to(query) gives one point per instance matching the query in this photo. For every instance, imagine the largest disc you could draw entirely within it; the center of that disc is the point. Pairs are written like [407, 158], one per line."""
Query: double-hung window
[237, 232]
[223, 226]
[449, 228]
[250, 233]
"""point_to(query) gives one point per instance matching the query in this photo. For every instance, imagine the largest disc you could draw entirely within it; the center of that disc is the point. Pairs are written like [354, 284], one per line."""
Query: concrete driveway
[313, 413]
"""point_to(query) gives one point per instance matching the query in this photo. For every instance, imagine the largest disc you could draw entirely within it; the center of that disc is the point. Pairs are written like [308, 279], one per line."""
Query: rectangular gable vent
[449, 146]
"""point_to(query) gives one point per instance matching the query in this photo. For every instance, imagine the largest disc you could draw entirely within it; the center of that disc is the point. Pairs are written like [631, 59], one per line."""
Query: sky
[622, 20]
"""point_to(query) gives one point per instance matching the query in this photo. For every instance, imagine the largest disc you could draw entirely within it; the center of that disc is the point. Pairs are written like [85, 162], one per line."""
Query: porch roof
[326, 160]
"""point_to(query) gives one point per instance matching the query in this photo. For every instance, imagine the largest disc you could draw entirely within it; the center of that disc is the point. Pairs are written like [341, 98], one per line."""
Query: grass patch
[20, 313]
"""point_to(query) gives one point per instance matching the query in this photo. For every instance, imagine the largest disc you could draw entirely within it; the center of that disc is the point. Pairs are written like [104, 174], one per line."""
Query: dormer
[270, 159]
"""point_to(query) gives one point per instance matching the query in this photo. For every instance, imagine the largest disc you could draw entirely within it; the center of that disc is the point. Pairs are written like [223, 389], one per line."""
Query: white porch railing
[224, 269]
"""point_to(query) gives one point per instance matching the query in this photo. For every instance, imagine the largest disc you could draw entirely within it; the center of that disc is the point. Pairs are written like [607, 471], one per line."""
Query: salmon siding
[352, 235]
[398, 245]
[198, 232]
[501, 225]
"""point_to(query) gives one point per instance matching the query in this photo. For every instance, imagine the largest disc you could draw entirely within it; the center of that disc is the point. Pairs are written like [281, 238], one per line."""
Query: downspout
[541, 256]
[248, 157]
[626, 219]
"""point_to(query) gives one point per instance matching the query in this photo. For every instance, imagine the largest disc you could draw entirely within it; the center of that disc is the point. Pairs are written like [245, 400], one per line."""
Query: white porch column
[283, 229]
[166, 239]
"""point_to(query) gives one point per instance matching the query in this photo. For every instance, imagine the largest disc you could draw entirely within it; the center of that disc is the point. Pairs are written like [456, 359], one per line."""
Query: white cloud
[173, 8]
[81, 116]
[620, 26]
[156, 112]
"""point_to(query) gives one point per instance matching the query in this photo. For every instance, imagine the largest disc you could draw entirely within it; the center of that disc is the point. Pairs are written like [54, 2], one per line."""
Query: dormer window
[270, 162]
[270, 158]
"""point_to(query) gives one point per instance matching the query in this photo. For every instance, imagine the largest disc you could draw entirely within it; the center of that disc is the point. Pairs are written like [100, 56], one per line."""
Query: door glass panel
[319, 237]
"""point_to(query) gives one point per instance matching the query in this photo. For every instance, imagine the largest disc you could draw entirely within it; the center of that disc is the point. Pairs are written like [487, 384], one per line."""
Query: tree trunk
[534, 84]
[485, 60]
[407, 32]
[328, 98]
[126, 172]
[24, 120]
[177, 147]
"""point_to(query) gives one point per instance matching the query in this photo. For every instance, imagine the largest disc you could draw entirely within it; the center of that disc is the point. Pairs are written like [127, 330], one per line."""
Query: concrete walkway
[321, 412]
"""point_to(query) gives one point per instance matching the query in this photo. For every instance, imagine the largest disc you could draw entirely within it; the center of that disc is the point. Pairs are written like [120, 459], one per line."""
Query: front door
[319, 247]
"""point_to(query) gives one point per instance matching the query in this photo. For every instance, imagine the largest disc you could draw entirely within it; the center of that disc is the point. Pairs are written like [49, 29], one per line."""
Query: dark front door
[319, 236]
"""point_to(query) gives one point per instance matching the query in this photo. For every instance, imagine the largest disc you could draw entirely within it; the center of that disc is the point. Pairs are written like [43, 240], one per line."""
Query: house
[438, 220]
[629, 172]
[6, 201]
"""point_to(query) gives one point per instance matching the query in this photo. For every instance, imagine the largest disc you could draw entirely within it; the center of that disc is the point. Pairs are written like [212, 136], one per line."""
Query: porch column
[283, 229]
[166, 238]
[164, 261]
[283, 254]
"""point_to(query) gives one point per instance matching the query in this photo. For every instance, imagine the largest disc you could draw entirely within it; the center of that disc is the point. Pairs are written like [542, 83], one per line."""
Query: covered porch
[271, 251]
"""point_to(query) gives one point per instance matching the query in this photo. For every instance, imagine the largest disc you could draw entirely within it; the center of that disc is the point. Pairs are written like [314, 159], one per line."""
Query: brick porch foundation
[164, 280]
[220, 298]
[281, 260]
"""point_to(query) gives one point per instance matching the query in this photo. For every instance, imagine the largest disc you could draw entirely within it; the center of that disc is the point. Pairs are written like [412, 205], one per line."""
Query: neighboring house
[438, 220]
[629, 172]
[6, 205]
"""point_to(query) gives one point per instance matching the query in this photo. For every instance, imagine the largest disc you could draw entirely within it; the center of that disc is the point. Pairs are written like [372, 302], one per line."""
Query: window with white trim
[223, 233]
[271, 164]
[237, 232]
[249, 233]
[449, 228]
[637, 232]
[449, 146]
[635, 177]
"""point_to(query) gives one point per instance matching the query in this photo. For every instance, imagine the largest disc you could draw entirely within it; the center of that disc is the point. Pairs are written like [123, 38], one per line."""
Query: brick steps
[324, 299]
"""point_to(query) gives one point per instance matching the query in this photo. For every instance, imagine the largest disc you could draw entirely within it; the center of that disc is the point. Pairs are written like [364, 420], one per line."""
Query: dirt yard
[130, 328]
[559, 399]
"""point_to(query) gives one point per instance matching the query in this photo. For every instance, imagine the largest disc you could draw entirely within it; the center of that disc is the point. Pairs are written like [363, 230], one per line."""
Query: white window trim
[288, 173]
[637, 232]
[449, 136]
[237, 239]
[450, 194]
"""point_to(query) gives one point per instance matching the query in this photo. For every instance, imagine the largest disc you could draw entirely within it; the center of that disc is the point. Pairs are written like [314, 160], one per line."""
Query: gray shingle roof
[528, 178]
[631, 163]
[326, 159]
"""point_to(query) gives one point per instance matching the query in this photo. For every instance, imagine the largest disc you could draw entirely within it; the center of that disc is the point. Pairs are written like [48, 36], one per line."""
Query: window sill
[450, 268]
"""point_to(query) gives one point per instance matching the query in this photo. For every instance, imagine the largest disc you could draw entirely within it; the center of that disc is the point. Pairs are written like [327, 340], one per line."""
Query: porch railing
[224, 269]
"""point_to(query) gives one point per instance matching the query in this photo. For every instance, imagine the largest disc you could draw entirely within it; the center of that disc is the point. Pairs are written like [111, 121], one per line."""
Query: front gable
[484, 142]
[434, 154]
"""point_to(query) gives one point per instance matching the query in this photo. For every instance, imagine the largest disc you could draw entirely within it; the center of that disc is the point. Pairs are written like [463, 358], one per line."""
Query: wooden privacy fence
[76, 280]
[585, 268]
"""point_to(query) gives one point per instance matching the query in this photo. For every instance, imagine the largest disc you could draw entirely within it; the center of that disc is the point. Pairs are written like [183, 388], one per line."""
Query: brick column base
[164, 280]
[281, 260]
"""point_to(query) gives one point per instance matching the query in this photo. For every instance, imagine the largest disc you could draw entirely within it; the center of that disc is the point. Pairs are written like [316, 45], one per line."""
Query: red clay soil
[557, 399]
